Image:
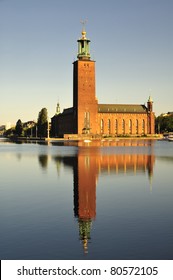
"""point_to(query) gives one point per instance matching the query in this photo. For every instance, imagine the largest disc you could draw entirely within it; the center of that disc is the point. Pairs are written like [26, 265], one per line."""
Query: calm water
[112, 200]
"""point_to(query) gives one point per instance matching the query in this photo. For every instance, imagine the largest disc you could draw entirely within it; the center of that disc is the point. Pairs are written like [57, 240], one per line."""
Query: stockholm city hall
[87, 116]
[88, 165]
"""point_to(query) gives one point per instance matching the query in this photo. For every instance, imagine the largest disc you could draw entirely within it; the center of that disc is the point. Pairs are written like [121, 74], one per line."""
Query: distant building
[87, 116]
[167, 114]
[29, 124]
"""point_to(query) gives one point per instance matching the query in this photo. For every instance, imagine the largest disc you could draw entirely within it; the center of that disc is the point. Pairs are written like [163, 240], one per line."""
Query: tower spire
[83, 44]
[83, 22]
[150, 104]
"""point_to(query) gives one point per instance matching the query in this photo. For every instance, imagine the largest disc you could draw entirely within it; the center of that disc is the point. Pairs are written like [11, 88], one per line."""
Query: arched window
[137, 127]
[130, 126]
[102, 126]
[87, 120]
[109, 126]
[143, 126]
[123, 126]
[116, 126]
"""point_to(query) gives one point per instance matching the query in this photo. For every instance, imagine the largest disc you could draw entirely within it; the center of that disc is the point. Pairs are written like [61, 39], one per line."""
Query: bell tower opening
[83, 45]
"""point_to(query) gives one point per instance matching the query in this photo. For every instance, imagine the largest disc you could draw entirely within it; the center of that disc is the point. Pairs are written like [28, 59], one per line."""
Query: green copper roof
[83, 47]
[121, 108]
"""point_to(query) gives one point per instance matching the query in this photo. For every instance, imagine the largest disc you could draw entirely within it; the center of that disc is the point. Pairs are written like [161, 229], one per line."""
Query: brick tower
[151, 117]
[85, 104]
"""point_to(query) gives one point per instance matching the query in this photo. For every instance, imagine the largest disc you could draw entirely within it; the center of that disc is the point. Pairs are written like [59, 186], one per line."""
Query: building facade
[87, 116]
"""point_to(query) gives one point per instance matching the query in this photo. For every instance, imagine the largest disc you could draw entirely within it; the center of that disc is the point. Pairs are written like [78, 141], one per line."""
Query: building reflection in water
[85, 177]
[87, 165]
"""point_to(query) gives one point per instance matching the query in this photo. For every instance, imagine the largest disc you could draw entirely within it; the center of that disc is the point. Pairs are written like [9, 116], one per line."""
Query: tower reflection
[87, 165]
[85, 177]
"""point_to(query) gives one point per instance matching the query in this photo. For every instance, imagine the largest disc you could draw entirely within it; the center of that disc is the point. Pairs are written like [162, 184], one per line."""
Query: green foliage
[19, 128]
[164, 123]
[10, 132]
[42, 123]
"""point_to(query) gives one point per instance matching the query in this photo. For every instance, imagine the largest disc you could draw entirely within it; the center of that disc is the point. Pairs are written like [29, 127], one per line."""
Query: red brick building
[88, 117]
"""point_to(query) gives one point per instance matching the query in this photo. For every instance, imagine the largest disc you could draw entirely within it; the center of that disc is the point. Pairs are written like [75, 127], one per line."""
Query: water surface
[98, 200]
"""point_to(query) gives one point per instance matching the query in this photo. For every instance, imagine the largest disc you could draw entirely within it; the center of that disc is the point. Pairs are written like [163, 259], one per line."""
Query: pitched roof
[67, 111]
[121, 108]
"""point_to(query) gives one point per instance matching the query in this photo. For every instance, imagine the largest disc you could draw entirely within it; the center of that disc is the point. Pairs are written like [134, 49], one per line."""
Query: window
[130, 126]
[87, 121]
[143, 126]
[102, 126]
[109, 126]
[137, 127]
[123, 126]
[116, 126]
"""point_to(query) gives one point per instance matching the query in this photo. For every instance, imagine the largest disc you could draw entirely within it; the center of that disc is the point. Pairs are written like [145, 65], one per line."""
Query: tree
[164, 123]
[10, 132]
[19, 128]
[42, 123]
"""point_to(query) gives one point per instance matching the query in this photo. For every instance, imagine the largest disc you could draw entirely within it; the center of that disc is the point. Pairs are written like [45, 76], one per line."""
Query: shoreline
[86, 138]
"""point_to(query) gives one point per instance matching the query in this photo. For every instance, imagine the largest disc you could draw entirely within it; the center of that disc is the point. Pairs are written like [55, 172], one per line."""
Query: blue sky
[131, 41]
